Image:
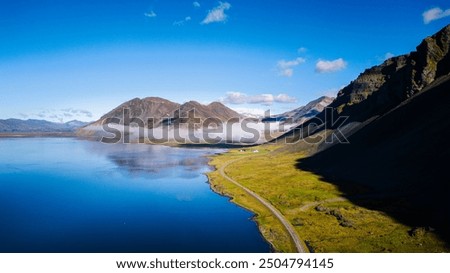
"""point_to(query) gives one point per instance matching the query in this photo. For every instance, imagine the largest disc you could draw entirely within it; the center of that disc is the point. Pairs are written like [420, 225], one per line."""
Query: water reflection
[154, 160]
[66, 195]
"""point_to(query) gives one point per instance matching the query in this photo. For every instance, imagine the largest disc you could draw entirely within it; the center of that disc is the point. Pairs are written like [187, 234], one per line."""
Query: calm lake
[70, 195]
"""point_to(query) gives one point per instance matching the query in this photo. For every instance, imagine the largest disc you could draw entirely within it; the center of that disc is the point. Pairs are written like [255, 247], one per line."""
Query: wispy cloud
[388, 56]
[434, 14]
[150, 14]
[284, 98]
[77, 112]
[264, 99]
[286, 68]
[60, 115]
[217, 14]
[302, 49]
[323, 66]
[182, 22]
[196, 4]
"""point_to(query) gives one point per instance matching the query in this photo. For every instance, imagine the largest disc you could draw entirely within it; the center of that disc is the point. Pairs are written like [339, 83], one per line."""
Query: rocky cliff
[383, 87]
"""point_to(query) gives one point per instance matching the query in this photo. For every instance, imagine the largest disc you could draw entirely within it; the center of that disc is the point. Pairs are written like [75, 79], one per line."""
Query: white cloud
[286, 68]
[77, 112]
[150, 14]
[196, 4]
[235, 98]
[284, 98]
[434, 14]
[182, 22]
[302, 50]
[217, 14]
[323, 66]
[263, 99]
[388, 56]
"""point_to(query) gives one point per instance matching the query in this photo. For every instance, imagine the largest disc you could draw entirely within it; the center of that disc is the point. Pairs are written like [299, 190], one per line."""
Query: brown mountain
[143, 109]
[165, 112]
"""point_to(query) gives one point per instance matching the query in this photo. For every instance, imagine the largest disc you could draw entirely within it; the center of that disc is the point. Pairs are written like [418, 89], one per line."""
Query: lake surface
[70, 195]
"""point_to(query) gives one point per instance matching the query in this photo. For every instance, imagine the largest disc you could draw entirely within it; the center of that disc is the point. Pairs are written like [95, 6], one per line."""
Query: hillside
[403, 156]
[397, 127]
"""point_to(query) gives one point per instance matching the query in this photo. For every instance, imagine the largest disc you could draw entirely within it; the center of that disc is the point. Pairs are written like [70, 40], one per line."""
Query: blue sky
[61, 60]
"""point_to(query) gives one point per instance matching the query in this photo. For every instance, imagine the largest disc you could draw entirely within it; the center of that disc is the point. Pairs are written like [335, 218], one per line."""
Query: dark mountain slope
[397, 127]
[381, 88]
[402, 156]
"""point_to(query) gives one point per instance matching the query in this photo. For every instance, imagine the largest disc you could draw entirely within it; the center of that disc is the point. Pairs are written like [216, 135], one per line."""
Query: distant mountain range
[38, 126]
[303, 113]
[156, 112]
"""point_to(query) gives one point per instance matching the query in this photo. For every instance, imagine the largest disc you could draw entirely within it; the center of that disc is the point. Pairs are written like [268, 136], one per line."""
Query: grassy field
[322, 218]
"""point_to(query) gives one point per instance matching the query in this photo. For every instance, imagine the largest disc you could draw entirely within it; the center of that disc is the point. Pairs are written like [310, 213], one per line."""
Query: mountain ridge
[305, 112]
[160, 110]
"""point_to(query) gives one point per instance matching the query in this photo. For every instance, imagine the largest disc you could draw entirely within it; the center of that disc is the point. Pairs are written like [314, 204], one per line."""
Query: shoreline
[231, 200]
[283, 240]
